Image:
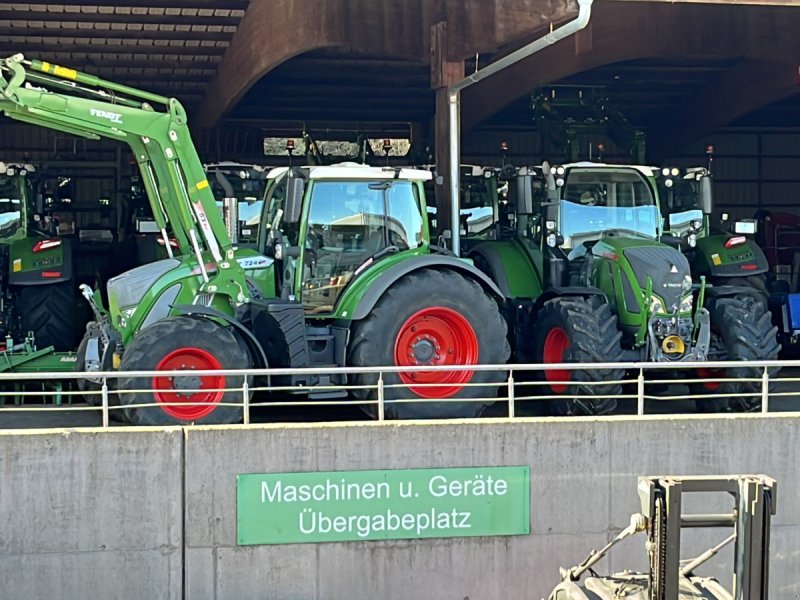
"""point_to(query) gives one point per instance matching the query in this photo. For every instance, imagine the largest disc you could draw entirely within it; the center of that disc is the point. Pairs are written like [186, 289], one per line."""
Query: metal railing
[512, 387]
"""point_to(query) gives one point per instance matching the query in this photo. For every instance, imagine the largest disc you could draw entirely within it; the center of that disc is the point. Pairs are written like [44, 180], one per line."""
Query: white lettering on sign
[104, 114]
[440, 486]
[364, 525]
[330, 490]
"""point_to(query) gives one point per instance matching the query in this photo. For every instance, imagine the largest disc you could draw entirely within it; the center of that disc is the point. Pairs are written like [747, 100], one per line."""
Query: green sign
[339, 506]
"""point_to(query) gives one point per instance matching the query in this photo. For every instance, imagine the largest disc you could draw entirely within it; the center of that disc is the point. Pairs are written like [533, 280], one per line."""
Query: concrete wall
[91, 515]
[99, 513]
[583, 490]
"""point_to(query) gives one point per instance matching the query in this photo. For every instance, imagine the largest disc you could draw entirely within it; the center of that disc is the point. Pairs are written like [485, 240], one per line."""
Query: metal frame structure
[519, 386]
[754, 504]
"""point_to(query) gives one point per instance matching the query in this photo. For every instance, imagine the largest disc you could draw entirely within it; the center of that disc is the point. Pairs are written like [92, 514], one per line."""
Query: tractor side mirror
[295, 189]
[706, 198]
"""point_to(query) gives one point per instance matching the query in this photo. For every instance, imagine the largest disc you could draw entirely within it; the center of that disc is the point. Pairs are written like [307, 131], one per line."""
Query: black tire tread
[745, 330]
[145, 351]
[594, 337]
[445, 288]
[49, 311]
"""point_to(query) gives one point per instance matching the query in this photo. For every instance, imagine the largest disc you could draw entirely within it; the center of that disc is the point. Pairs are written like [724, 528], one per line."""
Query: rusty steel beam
[376, 28]
[399, 28]
[622, 31]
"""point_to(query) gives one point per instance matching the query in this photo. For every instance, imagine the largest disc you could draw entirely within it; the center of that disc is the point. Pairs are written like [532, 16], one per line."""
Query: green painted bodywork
[609, 268]
[25, 265]
[521, 264]
[712, 258]
[353, 294]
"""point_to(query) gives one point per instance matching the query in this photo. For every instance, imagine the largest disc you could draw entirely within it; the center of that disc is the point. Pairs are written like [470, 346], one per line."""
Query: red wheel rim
[436, 336]
[556, 345]
[169, 389]
[705, 373]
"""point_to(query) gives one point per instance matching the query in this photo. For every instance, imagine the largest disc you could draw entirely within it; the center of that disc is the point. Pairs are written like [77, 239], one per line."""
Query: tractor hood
[665, 266]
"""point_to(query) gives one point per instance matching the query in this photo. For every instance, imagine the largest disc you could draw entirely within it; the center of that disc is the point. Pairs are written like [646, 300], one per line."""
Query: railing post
[511, 408]
[640, 393]
[765, 391]
[246, 402]
[104, 392]
[380, 397]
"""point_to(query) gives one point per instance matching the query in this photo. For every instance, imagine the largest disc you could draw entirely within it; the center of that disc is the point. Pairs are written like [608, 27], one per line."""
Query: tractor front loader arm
[156, 129]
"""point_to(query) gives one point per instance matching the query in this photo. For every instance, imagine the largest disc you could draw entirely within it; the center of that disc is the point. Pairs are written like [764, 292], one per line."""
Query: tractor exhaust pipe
[454, 103]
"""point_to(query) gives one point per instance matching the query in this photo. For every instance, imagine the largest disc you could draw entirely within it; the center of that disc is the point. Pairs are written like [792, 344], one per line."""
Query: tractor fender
[510, 266]
[206, 312]
[427, 261]
[568, 292]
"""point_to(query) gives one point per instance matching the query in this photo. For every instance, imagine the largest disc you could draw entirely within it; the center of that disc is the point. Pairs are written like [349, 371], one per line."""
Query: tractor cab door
[348, 225]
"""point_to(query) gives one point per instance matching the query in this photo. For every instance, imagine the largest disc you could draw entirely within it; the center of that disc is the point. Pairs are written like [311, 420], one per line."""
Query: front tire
[183, 343]
[431, 317]
[49, 312]
[579, 330]
[741, 329]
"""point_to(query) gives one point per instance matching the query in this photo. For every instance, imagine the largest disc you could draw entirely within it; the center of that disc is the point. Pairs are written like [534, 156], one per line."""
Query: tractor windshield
[595, 201]
[350, 222]
[10, 205]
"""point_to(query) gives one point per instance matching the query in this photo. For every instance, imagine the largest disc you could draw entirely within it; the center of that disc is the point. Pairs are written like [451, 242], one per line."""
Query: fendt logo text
[104, 114]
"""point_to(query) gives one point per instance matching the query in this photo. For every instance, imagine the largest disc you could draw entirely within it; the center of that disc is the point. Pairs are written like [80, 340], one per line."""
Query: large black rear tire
[49, 312]
[741, 329]
[431, 317]
[183, 343]
[577, 330]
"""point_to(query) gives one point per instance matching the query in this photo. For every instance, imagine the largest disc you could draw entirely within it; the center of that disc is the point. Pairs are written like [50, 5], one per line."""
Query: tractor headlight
[552, 240]
[686, 304]
[691, 240]
[657, 305]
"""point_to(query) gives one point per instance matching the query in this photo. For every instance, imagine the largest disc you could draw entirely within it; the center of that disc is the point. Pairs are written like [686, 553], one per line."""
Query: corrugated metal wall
[753, 169]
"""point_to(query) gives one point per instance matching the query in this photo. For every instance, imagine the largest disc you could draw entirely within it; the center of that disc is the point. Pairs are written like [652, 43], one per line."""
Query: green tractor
[37, 291]
[589, 276]
[738, 299]
[343, 274]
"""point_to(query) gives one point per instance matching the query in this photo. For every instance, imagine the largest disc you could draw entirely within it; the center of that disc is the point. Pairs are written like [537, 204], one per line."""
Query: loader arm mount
[155, 128]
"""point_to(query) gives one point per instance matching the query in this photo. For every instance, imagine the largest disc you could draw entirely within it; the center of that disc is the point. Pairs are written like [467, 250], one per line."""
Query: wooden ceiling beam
[114, 34]
[19, 16]
[114, 64]
[199, 4]
[36, 49]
